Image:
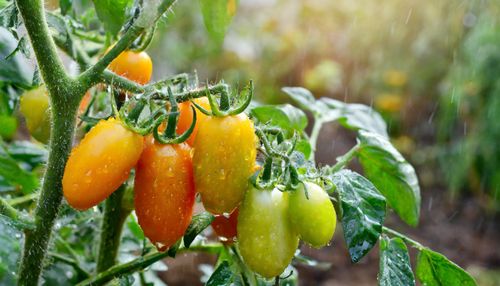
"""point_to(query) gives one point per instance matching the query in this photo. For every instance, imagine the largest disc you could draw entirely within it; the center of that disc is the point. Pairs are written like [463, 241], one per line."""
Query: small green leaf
[434, 269]
[29, 153]
[395, 268]
[284, 116]
[9, 16]
[16, 176]
[303, 146]
[198, 224]
[363, 212]
[217, 15]
[10, 239]
[393, 176]
[112, 13]
[221, 276]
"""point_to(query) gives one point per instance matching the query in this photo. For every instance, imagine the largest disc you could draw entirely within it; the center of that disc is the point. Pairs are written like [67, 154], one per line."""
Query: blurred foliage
[468, 126]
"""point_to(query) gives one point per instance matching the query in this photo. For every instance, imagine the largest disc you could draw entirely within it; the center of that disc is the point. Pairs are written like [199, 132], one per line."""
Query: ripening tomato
[100, 163]
[84, 103]
[35, 108]
[313, 217]
[135, 66]
[224, 159]
[266, 239]
[225, 226]
[186, 117]
[164, 192]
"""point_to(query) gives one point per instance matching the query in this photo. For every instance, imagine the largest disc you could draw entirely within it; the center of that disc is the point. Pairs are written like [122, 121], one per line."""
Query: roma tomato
[164, 192]
[224, 159]
[225, 226]
[137, 67]
[186, 117]
[100, 163]
[35, 108]
[266, 239]
[313, 217]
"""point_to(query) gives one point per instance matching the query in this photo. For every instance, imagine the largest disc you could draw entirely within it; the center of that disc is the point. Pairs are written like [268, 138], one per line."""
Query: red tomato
[164, 192]
[225, 227]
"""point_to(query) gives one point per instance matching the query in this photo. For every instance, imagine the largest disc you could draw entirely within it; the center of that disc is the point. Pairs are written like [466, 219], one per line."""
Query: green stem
[313, 139]
[23, 199]
[141, 263]
[70, 262]
[111, 229]
[50, 65]
[36, 241]
[405, 238]
[343, 160]
[64, 94]
[7, 210]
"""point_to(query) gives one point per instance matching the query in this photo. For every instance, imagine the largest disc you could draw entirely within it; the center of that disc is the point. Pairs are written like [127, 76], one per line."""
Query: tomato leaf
[395, 268]
[284, 116]
[363, 212]
[221, 276]
[112, 13]
[16, 176]
[9, 252]
[14, 69]
[29, 153]
[217, 15]
[351, 116]
[358, 116]
[434, 269]
[393, 176]
[198, 224]
[305, 99]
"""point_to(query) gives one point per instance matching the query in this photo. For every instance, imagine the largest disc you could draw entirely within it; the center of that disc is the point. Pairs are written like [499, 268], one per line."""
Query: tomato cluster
[216, 161]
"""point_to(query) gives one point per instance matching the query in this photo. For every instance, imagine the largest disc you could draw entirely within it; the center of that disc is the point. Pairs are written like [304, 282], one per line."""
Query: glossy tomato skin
[224, 159]
[35, 107]
[164, 192]
[225, 226]
[266, 239]
[135, 66]
[100, 163]
[186, 117]
[312, 217]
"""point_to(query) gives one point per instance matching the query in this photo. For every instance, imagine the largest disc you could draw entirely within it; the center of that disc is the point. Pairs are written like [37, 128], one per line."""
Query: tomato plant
[143, 150]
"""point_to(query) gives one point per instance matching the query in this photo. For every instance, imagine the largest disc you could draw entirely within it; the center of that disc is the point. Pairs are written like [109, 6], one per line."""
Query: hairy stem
[111, 229]
[37, 240]
[49, 63]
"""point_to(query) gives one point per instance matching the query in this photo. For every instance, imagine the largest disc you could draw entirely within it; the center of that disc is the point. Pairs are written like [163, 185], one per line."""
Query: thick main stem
[37, 240]
[111, 229]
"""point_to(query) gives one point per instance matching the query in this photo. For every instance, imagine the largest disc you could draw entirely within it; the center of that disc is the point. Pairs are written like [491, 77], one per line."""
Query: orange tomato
[100, 163]
[164, 192]
[137, 67]
[186, 117]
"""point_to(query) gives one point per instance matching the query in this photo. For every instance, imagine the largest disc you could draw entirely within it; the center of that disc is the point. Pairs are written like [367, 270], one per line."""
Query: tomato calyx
[169, 136]
[223, 107]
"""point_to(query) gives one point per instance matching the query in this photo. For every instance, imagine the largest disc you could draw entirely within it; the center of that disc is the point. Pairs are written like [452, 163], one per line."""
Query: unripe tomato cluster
[216, 161]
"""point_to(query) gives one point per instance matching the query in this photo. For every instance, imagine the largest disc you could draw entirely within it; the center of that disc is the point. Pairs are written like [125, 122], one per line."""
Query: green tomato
[266, 239]
[36, 110]
[8, 126]
[312, 217]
